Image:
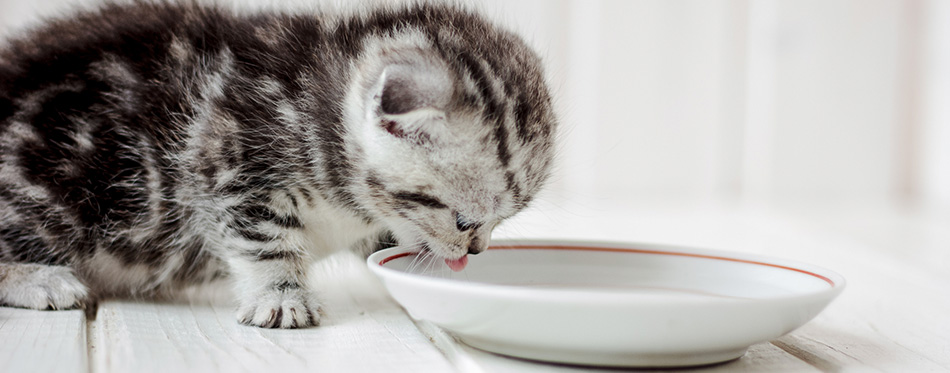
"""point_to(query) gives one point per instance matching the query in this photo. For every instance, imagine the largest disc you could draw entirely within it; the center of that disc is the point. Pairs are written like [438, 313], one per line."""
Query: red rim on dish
[635, 251]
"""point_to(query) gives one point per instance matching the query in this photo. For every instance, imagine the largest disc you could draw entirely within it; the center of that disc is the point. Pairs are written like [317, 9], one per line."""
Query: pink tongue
[457, 264]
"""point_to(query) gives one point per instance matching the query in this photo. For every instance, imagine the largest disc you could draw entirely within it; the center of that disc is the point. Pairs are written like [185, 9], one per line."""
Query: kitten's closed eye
[463, 223]
[420, 198]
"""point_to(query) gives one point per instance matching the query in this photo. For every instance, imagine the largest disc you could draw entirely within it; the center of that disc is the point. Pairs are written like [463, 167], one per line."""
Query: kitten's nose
[476, 246]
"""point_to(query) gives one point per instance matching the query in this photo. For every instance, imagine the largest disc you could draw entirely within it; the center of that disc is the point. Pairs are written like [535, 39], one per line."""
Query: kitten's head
[453, 136]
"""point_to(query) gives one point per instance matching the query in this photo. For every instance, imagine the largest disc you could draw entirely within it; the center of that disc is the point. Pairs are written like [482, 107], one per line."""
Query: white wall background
[819, 102]
[768, 102]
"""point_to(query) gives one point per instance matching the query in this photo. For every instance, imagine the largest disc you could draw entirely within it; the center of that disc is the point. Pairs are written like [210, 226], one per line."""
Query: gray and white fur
[150, 146]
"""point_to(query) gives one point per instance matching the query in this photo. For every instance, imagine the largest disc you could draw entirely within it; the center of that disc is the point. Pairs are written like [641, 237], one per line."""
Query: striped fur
[151, 146]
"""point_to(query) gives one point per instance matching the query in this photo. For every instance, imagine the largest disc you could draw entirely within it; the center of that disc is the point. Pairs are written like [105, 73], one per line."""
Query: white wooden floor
[894, 315]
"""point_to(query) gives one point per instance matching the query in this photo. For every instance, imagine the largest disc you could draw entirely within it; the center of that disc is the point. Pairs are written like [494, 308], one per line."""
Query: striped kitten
[151, 146]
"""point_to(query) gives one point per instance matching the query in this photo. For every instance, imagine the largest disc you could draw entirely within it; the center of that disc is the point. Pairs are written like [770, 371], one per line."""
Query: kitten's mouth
[455, 264]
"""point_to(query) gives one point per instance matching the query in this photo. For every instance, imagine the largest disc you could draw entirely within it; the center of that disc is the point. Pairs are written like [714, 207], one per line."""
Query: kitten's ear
[411, 100]
[406, 88]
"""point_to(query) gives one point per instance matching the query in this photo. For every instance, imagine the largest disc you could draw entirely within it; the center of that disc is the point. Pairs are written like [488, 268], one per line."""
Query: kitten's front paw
[287, 309]
[42, 287]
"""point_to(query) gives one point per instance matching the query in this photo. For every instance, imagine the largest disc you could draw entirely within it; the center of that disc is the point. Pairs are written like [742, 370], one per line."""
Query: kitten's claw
[280, 309]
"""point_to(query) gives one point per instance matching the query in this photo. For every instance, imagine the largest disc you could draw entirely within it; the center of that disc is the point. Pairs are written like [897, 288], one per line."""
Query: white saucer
[609, 304]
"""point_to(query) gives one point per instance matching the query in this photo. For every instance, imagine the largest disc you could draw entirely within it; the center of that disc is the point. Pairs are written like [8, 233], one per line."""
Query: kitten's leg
[269, 270]
[272, 290]
[41, 287]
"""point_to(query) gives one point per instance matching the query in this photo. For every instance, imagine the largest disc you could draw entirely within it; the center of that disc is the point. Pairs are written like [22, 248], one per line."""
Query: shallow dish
[609, 304]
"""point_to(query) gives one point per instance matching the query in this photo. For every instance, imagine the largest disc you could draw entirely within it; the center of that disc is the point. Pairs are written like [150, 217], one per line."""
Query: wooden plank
[362, 330]
[892, 314]
[890, 318]
[42, 341]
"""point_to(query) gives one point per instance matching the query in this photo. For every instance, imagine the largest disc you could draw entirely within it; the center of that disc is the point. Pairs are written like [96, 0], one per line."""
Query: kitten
[150, 146]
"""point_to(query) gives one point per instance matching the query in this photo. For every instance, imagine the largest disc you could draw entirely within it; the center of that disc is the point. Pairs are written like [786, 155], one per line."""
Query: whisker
[416, 260]
[413, 264]
[420, 264]
[431, 263]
